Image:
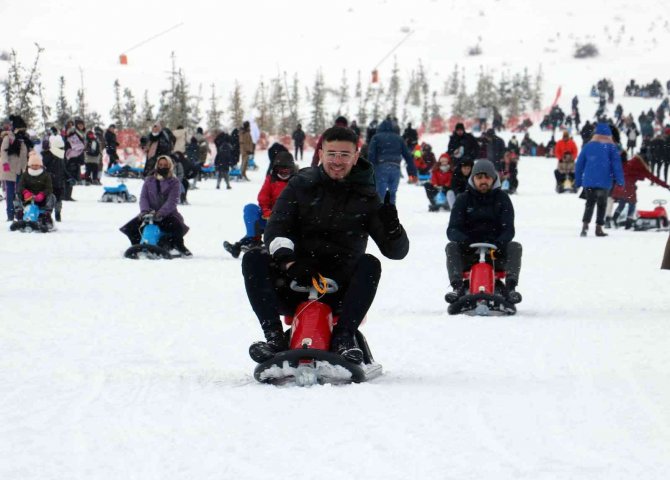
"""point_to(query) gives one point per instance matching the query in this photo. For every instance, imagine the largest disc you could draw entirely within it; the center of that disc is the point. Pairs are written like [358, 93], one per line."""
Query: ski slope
[112, 368]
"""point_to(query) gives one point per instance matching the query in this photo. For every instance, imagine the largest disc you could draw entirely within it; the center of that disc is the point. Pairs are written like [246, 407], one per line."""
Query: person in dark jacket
[320, 226]
[587, 132]
[55, 167]
[495, 149]
[159, 144]
[160, 197]
[483, 213]
[410, 136]
[597, 168]
[35, 186]
[462, 145]
[111, 144]
[298, 141]
[273, 151]
[385, 152]
[224, 159]
[459, 181]
[370, 131]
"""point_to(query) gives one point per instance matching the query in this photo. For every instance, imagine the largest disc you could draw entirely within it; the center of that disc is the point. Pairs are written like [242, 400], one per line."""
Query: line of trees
[278, 103]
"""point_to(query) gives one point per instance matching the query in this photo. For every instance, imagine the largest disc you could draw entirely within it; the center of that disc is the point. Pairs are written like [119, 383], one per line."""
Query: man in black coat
[298, 141]
[411, 137]
[462, 145]
[320, 225]
[110, 145]
[483, 213]
[495, 149]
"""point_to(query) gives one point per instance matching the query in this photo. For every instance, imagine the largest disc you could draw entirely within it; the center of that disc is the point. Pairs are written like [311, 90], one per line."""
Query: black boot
[179, 245]
[615, 219]
[275, 342]
[457, 292]
[233, 248]
[344, 344]
[512, 295]
[608, 222]
[629, 223]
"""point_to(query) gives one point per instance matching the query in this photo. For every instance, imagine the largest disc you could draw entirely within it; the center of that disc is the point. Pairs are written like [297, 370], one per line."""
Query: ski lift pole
[375, 72]
[123, 58]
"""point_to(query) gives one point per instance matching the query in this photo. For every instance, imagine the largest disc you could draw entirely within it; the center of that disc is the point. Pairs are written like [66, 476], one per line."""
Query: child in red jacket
[256, 215]
[440, 180]
[634, 170]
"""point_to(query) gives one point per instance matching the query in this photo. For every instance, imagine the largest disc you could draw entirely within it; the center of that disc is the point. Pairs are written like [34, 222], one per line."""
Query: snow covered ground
[112, 368]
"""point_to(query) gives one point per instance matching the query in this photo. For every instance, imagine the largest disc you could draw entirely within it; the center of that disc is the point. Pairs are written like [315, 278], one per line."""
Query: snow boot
[608, 222]
[181, 248]
[512, 295]
[233, 248]
[585, 229]
[457, 292]
[599, 231]
[344, 344]
[629, 223]
[615, 219]
[59, 206]
[275, 342]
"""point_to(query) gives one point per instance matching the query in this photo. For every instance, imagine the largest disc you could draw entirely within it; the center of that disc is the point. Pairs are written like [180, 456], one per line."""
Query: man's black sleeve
[506, 220]
[456, 228]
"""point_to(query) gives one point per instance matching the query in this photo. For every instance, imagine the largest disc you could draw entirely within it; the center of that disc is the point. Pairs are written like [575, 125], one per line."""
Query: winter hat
[57, 146]
[284, 160]
[603, 129]
[341, 121]
[459, 126]
[17, 122]
[34, 158]
[484, 166]
[199, 130]
[112, 126]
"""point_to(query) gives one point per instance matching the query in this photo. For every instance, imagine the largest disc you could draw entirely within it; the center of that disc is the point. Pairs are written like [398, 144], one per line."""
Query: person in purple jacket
[160, 197]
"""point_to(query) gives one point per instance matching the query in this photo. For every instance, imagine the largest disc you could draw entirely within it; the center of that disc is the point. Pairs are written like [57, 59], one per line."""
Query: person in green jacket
[35, 186]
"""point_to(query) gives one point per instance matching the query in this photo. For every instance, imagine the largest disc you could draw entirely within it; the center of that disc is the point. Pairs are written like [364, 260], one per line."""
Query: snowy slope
[251, 41]
[112, 368]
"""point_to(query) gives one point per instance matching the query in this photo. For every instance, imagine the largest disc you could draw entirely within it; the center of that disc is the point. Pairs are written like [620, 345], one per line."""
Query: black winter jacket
[469, 144]
[495, 151]
[478, 217]
[328, 221]
[56, 168]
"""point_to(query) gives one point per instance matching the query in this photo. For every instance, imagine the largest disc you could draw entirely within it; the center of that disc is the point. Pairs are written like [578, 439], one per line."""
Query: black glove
[302, 271]
[388, 215]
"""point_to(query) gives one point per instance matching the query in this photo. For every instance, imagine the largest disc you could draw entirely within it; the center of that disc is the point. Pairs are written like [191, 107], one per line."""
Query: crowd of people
[351, 188]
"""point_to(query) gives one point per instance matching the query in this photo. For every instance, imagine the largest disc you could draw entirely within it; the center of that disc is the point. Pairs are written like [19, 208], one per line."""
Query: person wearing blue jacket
[597, 167]
[385, 152]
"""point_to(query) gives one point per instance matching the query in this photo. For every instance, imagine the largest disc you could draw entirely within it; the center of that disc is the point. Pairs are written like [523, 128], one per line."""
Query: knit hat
[34, 158]
[603, 129]
[459, 126]
[486, 167]
[284, 160]
[341, 121]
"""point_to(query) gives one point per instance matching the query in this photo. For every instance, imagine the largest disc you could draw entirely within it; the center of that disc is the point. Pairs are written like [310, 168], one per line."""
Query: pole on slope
[123, 58]
[375, 71]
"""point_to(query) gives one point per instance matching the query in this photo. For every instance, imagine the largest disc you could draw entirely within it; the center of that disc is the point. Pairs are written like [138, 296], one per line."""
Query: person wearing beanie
[256, 215]
[483, 213]
[462, 145]
[14, 148]
[35, 185]
[160, 197]
[55, 166]
[598, 167]
[385, 152]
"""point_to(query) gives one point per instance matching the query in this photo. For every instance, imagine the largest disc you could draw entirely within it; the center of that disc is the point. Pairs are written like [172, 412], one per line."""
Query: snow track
[112, 368]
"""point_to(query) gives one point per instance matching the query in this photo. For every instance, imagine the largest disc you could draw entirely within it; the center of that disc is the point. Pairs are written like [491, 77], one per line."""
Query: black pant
[461, 258]
[171, 226]
[186, 184]
[298, 148]
[270, 294]
[431, 192]
[113, 158]
[595, 197]
[91, 173]
[222, 173]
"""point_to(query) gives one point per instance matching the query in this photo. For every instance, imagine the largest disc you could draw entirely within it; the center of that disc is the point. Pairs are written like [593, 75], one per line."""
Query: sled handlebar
[659, 201]
[482, 249]
[319, 286]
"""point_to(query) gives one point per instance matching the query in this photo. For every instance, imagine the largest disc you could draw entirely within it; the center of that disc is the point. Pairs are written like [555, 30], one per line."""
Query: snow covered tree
[235, 106]
[263, 117]
[117, 110]
[485, 92]
[295, 101]
[451, 85]
[359, 87]
[318, 117]
[21, 88]
[363, 102]
[536, 97]
[394, 89]
[435, 110]
[63, 110]
[343, 94]
[279, 107]
[129, 114]
[463, 105]
[146, 114]
[377, 104]
[214, 114]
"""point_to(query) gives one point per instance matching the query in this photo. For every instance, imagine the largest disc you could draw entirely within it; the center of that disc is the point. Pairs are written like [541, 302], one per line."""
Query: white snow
[112, 368]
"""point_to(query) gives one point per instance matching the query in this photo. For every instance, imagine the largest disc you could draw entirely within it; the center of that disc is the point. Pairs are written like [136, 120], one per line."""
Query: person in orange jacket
[566, 153]
[256, 215]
